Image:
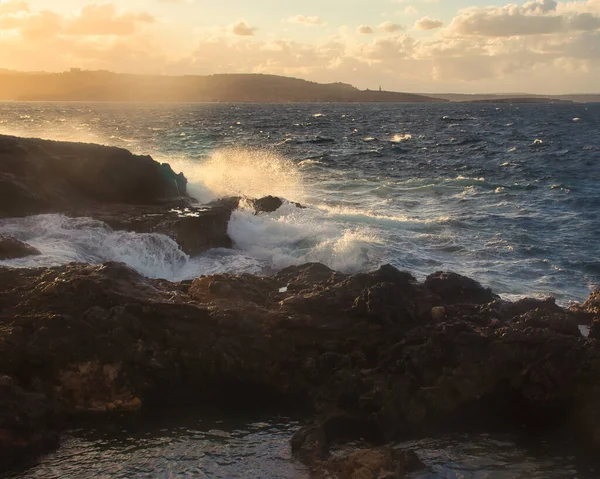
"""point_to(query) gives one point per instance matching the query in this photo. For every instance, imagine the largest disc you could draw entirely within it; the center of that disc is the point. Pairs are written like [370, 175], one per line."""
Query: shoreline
[376, 355]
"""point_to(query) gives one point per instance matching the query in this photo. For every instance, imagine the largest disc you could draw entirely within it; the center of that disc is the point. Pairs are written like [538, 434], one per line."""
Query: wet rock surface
[11, 248]
[362, 352]
[194, 228]
[269, 204]
[42, 176]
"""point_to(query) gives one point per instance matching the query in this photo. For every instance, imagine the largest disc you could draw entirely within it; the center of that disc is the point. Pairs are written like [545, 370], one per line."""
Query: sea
[507, 194]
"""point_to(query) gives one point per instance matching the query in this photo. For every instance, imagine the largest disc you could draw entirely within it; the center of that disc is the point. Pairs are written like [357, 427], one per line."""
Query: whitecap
[398, 138]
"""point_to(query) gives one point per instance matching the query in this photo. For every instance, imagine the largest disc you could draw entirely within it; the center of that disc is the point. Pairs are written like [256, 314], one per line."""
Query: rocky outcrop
[363, 352]
[126, 191]
[381, 463]
[194, 228]
[42, 176]
[269, 204]
[11, 248]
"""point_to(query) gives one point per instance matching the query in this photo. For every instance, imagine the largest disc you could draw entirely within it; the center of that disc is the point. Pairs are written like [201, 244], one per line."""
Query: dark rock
[268, 204]
[303, 277]
[27, 426]
[510, 310]
[42, 176]
[558, 321]
[83, 338]
[12, 248]
[239, 288]
[454, 288]
[592, 305]
[194, 229]
[381, 463]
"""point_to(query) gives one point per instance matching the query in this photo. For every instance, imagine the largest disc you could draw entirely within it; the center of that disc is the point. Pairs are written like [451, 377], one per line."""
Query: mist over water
[505, 195]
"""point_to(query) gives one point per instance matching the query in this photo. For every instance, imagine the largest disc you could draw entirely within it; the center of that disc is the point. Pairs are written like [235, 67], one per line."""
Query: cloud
[410, 10]
[537, 46]
[427, 23]
[13, 6]
[533, 18]
[365, 30]
[390, 27]
[242, 29]
[304, 20]
[92, 19]
[104, 19]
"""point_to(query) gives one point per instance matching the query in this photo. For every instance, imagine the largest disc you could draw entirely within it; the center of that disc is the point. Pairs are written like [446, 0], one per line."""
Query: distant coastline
[105, 86]
[79, 85]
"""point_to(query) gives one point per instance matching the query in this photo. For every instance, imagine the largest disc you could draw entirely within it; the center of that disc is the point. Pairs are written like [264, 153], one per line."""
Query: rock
[240, 288]
[42, 176]
[27, 425]
[362, 352]
[454, 288]
[508, 310]
[194, 229]
[268, 204]
[382, 463]
[11, 248]
[592, 305]
[438, 314]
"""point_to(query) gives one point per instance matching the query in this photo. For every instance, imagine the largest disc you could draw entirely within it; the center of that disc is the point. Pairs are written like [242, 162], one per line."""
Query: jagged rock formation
[362, 351]
[11, 248]
[42, 176]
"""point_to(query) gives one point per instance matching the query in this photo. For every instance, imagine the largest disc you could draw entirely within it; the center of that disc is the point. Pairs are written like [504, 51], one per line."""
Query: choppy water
[190, 447]
[179, 446]
[508, 195]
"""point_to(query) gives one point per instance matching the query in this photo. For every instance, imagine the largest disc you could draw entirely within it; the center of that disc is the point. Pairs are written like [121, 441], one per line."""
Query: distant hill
[78, 85]
[516, 98]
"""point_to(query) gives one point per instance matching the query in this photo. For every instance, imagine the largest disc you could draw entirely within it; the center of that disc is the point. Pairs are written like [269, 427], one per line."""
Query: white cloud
[427, 23]
[13, 6]
[304, 20]
[390, 27]
[242, 29]
[365, 30]
[534, 18]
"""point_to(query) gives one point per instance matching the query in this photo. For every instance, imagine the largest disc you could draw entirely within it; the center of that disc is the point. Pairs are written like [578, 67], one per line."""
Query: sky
[431, 46]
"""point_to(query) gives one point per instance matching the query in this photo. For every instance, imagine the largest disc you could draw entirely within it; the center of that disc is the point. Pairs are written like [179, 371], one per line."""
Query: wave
[280, 240]
[241, 172]
[262, 244]
[62, 240]
[398, 138]
[310, 163]
[319, 140]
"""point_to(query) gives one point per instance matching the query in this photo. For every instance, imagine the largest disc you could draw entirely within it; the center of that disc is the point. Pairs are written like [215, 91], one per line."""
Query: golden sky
[539, 46]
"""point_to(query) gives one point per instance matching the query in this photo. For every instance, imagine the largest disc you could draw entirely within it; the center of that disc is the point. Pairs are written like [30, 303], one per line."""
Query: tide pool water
[192, 446]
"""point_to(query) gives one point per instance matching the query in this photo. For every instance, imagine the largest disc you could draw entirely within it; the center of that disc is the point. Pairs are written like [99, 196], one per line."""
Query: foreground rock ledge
[363, 352]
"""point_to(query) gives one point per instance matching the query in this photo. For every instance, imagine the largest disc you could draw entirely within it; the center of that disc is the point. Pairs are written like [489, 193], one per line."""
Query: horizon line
[76, 70]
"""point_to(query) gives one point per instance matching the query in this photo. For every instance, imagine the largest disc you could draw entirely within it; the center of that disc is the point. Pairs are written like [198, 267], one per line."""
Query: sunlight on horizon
[538, 46]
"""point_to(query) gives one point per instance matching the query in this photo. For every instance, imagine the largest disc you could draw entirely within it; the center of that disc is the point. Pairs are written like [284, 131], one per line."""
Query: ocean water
[506, 194]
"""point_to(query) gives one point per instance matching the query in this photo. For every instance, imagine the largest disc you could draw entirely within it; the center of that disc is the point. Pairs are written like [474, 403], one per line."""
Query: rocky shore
[374, 357]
